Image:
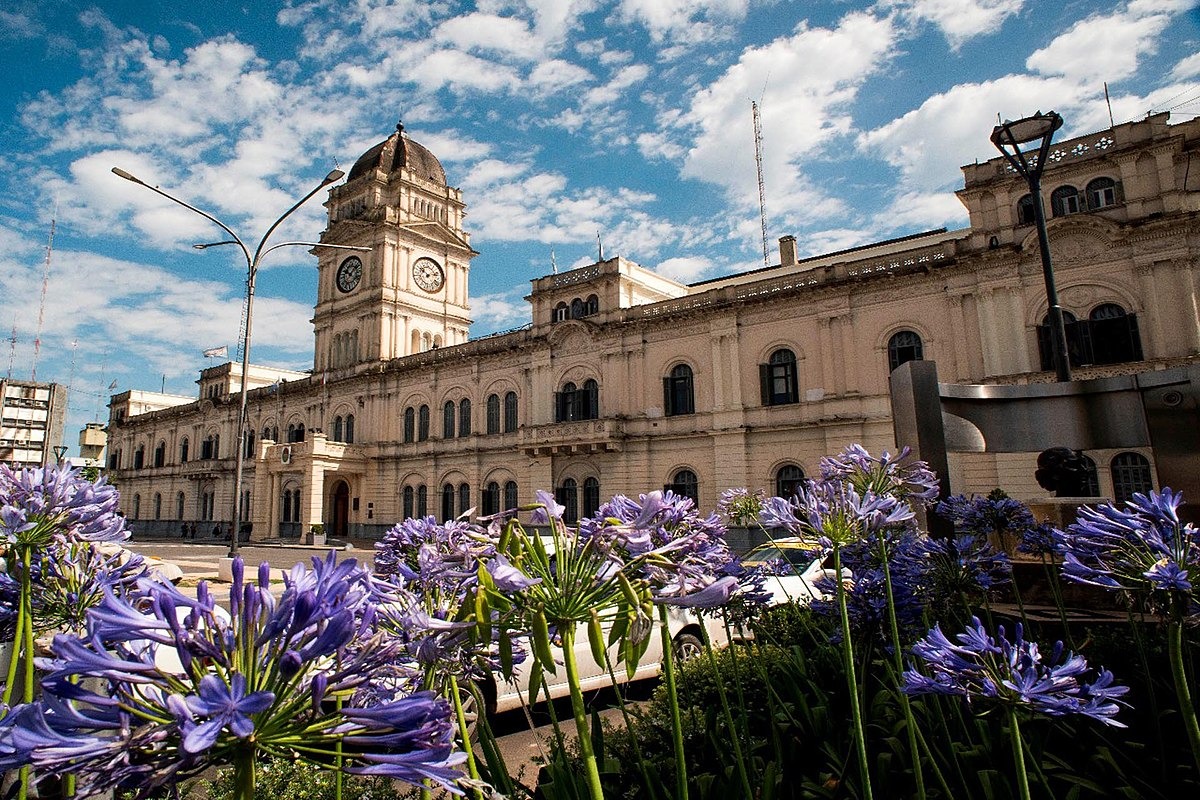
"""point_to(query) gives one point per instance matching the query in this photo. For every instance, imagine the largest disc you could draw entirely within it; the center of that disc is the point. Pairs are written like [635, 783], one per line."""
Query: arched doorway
[341, 510]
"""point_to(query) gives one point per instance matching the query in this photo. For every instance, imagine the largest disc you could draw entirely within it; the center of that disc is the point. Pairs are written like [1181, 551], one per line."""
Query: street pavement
[200, 560]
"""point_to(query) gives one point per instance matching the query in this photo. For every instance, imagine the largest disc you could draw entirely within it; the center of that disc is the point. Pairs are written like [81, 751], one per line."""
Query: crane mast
[762, 192]
[37, 339]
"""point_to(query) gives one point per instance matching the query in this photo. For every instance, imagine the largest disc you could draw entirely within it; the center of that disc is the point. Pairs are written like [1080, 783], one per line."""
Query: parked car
[794, 569]
[687, 642]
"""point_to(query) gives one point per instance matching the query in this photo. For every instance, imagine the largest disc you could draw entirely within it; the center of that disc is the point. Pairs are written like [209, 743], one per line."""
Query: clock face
[349, 274]
[428, 275]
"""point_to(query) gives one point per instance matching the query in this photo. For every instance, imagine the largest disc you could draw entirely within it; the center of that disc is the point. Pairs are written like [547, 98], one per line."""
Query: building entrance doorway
[341, 511]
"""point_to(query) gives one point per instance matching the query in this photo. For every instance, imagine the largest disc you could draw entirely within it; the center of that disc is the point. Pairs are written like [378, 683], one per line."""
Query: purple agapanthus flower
[1141, 548]
[40, 504]
[991, 669]
[896, 475]
[164, 685]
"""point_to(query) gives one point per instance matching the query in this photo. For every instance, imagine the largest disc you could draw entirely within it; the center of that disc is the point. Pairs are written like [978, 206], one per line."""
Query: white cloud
[490, 33]
[931, 142]
[961, 20]
[1186, 68]
[916, 210]
[685, 269]
[557, 75]
[681, 21]
[461, 73]
[812, 79]
[1104, 47]
[499, 311]
[624, 78]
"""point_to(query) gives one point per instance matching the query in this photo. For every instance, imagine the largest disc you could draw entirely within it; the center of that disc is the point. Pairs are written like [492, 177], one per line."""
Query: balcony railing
[583, 436]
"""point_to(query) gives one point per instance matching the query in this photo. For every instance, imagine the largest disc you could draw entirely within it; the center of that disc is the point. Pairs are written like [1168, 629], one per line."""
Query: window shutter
[667, 409]
[558, 407]
[1135, 339]
[764, 379]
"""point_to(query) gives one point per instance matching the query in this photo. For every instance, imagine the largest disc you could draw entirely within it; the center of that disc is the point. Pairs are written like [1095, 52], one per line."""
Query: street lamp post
[252, 264]
[1007, 137]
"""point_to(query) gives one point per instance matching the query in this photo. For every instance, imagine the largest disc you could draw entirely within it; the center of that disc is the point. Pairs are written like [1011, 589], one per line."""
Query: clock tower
[409, 293]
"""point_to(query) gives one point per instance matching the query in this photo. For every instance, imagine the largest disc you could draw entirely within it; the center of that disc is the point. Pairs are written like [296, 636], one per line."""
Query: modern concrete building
[625, 381]
[32, 416]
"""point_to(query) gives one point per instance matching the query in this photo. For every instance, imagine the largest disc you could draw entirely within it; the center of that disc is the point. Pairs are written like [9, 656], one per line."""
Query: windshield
[798, 555]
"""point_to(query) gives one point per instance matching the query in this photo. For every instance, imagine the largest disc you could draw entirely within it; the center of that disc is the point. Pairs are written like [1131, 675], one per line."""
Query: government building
[626, 381]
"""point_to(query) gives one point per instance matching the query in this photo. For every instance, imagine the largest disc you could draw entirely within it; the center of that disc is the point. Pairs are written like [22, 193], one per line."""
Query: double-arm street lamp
[1008, 136]
[252, 264]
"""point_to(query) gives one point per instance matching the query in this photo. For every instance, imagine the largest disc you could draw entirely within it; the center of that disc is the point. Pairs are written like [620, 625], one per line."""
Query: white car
[794, 570]
[686, 637]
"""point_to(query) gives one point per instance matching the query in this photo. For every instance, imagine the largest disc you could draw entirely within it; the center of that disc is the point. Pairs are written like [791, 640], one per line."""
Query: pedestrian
[183, 530]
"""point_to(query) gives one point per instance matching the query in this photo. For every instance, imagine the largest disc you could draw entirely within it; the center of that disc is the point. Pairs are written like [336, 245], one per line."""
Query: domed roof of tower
[398, 151]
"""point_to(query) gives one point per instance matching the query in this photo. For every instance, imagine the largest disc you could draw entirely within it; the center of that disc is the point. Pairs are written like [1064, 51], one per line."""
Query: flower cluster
[1145, 548]
[740, 506]
[438, 564]
[895, 475]
[71, 577]
[835, 512]
[660, 538]
[866, 588]
[41, 504]
[162, 685]
[1012, 673]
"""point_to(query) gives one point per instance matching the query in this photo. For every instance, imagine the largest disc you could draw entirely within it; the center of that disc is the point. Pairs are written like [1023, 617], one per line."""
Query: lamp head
[120, 173]
[335, 175]
[1029, 129]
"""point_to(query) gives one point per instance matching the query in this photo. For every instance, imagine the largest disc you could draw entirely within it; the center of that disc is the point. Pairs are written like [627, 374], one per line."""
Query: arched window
[137, 506]
[410, 424]
[678, 396]
[139, 457]
[286, 509]
[591, 305]
[246, 513]
[448, 412]
[1130, 474]
[591, 496]
[490, 501]
[1025, 212]
[183, 450]
[157, 505]
[904, 346]
[422, 501]
[493, 414]
[464, 498]
[510, 495]
[464, 417]
[423, 423]
[160, 455]
[349, 429]
[590, 406]
[1101, 192]
[248, 452]
[566, 404]
[685, 484]
[510, 412]
[1065, 200]
[1114, 335]
[567, 496]
[337, 428]
[778, 378]
[576, 308]
[409, 498]
[788, 480]
[447, 502]
[561, 312]
[180, 504]
[1091, 477]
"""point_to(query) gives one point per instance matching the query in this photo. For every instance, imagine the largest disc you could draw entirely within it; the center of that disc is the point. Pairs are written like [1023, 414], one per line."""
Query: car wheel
[686, 647]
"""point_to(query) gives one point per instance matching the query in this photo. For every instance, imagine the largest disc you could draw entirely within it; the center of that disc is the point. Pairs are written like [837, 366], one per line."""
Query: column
[830, 377]
[849, 354]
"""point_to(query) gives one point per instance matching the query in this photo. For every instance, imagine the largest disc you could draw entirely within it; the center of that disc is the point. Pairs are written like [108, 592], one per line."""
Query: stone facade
[625, 381]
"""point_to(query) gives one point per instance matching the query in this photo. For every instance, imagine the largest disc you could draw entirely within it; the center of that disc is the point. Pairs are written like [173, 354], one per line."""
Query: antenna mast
[37, 339]
[12, 350]
[762, 191]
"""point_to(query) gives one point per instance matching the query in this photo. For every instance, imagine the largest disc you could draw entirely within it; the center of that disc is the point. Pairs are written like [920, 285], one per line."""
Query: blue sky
[559, 119]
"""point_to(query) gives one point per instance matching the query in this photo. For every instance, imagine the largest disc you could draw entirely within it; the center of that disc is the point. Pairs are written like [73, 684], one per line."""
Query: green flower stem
[909, 722]
[1018, 748]
[628, 721]
[1187, 708]
[339, 779]
[460, 715]
[734, 732]
[591, 770]
[860, 739]
[668, 663]
[243, 773]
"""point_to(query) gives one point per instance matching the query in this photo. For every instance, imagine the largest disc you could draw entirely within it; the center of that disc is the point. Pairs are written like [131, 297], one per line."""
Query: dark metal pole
[1058, 328]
